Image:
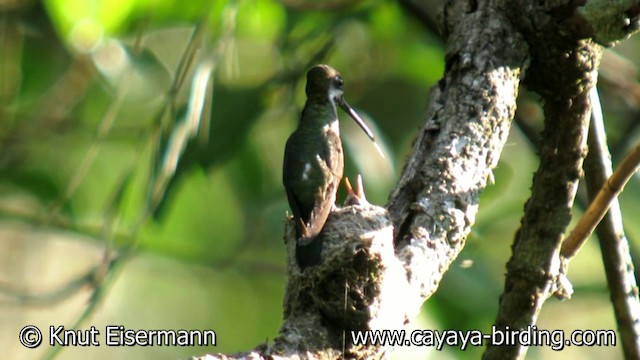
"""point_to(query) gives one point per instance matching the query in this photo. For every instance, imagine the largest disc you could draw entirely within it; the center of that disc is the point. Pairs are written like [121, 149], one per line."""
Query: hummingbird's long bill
[343, 104]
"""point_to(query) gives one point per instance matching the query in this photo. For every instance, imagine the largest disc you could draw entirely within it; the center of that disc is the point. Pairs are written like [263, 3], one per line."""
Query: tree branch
[469, 117]
[562, 72]
[602, 200]
[613, 243]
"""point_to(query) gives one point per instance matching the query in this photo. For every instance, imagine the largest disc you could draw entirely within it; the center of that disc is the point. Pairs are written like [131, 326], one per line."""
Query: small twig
[69, 89]
[96, 298]
[601, 203]
[614, 245]
[52, 297]
[197, 117]
[104, 129]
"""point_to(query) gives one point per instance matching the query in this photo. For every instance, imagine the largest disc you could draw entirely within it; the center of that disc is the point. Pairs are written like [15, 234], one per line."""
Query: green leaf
[84, 24]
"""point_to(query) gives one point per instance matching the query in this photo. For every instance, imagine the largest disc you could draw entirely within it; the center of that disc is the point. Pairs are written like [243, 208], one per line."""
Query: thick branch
[562, 72]
[608, 21]
[469, 117]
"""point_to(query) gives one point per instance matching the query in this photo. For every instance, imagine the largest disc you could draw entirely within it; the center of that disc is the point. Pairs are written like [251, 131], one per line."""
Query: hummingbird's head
[324, 83]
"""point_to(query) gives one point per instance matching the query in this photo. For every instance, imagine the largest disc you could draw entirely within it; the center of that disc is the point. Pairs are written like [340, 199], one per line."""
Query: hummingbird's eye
[337, 82]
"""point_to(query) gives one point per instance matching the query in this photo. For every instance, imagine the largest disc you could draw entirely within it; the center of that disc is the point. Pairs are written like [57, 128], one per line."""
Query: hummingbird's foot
[356, 197]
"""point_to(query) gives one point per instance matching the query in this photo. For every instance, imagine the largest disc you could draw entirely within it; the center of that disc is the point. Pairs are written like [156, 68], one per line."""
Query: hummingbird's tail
[308, 245]
[309, 254]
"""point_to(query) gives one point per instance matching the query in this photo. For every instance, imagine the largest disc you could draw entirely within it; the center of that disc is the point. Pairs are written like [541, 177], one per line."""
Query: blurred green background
[156, 129]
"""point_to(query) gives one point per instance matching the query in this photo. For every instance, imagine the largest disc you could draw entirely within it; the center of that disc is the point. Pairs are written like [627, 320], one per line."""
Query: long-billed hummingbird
[314, 160]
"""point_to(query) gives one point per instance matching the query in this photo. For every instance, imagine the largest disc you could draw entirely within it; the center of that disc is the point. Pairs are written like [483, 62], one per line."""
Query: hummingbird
[314, 160]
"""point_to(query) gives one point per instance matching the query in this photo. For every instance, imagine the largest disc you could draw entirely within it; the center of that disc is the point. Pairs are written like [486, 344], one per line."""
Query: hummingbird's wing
[331, 165]
[290, 170]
